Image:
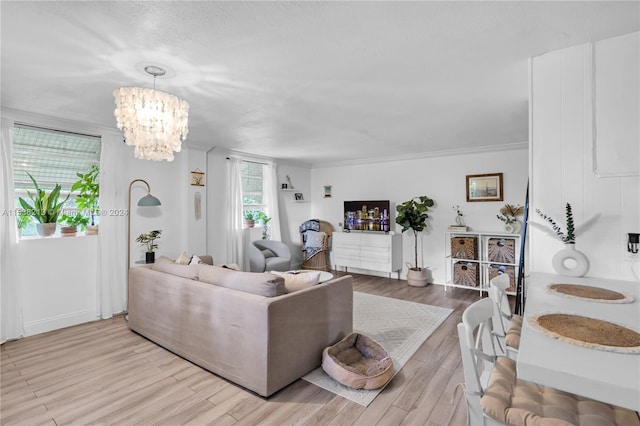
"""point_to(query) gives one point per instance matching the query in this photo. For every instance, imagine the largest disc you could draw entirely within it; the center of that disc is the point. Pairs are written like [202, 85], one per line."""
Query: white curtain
[112, 241]
[10, 289]
[271, 200]
[234, 213]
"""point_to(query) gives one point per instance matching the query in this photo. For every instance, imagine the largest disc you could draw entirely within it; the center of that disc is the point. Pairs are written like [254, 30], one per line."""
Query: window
[252, 186]
[51, 157]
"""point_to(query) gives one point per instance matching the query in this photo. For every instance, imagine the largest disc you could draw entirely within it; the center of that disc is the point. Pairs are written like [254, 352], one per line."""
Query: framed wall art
[486, 187]
[197, 178]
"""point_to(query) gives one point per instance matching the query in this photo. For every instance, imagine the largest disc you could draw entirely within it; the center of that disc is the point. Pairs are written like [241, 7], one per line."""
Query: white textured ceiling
[316, 82]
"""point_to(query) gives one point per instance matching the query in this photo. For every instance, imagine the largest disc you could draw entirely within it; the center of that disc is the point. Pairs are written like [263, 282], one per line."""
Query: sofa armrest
[302, 324]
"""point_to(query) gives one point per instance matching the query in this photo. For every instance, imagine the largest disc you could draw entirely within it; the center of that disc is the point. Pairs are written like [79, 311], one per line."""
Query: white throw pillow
[298, 280]
[183, 259]
[195, 260]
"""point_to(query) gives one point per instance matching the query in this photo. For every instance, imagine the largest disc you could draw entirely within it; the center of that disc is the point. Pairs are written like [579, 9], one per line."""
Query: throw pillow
[262, 284]
[268, 253]
[298, 280]
[183, 259]
[168, 266]
[195, 260]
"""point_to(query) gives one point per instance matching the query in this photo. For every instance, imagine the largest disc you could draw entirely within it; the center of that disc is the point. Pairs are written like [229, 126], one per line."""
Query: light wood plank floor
[102, 373]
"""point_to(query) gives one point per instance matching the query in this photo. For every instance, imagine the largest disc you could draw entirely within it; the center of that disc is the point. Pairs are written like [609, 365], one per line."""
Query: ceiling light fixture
[155, 122]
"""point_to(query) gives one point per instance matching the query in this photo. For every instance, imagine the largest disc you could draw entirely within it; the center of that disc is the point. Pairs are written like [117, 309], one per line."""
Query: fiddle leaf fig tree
[413, 215]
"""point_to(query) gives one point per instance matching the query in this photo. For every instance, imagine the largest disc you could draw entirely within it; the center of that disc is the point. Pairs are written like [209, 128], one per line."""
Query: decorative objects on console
[568, 261]
[155, 122]
[509, 215]
[413, 215]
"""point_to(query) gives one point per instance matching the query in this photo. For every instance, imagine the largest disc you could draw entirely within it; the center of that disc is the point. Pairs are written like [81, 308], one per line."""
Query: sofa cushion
[298, 280]
[168, 266]
[262, 284]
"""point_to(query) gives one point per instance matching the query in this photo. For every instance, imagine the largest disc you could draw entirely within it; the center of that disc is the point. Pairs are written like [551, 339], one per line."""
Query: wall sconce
[634, 243]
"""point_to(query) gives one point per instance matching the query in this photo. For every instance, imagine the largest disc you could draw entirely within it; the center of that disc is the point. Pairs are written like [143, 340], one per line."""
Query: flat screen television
[370, 215]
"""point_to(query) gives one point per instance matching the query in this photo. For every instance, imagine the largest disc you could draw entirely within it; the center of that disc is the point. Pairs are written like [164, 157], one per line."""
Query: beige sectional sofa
[216, 321]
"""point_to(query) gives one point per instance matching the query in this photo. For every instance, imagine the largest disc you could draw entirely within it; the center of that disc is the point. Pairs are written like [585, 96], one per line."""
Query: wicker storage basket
[495, 270]
[466, 273]
[464, 248]
[501, 250]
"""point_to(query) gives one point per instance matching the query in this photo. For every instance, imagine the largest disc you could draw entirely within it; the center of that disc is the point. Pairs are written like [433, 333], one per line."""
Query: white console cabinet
[362, 250]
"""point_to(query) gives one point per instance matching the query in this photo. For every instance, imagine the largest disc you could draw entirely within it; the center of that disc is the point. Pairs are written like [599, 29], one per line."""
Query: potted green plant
[45, 207]
[72, 223]
[148, 240]
[413, 215]
[249, 218]
[23, 220]
[262, 217]
[88, 196]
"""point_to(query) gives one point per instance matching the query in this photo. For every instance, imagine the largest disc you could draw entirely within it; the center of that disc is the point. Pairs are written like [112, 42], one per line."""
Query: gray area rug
[400, 327]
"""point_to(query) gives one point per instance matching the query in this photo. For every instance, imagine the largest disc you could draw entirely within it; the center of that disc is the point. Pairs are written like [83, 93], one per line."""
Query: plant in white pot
[45, 207]
[413, 215]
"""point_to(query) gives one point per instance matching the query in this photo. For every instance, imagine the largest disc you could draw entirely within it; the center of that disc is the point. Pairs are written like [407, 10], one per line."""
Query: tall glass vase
[570, 262]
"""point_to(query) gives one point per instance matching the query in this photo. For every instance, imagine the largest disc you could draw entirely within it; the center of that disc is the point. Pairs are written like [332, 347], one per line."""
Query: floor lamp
[146, 201]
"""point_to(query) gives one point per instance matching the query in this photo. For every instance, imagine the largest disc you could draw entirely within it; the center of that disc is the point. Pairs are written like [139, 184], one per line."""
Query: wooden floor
[102, 373]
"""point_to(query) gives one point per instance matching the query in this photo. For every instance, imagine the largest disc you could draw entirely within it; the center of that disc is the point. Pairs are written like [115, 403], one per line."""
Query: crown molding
[414, 156]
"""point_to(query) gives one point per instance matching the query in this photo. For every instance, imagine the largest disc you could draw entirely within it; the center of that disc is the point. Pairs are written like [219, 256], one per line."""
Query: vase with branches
[509, 215]
[569, 237]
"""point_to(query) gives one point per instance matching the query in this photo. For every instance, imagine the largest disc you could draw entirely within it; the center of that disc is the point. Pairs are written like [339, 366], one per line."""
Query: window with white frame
[253, 196]
[52, 157]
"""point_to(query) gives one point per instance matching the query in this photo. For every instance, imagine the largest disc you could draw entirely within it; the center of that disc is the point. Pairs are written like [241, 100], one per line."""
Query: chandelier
[155, 122]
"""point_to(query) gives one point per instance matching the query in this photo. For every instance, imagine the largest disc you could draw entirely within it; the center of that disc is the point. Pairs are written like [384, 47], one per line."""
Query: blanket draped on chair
[313, 240]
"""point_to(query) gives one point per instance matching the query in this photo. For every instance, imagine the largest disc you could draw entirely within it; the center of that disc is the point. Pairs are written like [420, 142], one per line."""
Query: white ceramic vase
[46, 229]
[513, 227]
[570, 262]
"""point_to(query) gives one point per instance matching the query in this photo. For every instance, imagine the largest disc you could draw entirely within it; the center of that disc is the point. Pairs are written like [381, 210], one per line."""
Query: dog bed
[359, 362]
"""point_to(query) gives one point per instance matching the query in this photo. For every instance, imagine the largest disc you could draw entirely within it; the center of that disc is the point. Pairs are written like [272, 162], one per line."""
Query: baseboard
[60, 321]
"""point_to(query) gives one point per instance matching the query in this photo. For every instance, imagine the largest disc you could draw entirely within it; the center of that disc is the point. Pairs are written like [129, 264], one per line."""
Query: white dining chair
[507, 327]
[495, 396]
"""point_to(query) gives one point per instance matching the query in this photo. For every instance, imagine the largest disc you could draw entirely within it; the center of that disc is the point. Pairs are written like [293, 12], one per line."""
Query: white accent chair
[495, 396]
[506, 326]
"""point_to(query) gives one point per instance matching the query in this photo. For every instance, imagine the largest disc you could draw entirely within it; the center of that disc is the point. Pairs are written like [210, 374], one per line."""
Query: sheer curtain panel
[271, 200]
[112, 245]
[234, 213]
[10, 290]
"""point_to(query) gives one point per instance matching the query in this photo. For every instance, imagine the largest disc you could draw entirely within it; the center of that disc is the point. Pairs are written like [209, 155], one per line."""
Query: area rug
[400, 327]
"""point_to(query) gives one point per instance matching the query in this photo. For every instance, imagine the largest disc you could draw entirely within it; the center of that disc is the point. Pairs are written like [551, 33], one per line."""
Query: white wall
[562, 163]
[442, 178]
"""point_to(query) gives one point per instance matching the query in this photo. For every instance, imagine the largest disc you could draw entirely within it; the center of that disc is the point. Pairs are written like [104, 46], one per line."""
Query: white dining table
[606, 376]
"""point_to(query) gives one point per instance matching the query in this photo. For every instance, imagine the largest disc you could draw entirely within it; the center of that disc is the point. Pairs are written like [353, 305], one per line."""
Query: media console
[369, 251]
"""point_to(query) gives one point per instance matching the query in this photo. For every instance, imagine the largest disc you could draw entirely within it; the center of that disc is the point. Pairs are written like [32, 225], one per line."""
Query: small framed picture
[486, 187]
[299, 196]
[327, 191]
[197, 179]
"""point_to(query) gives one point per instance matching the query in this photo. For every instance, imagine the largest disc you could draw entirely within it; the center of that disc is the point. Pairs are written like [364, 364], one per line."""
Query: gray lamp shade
[148, 201]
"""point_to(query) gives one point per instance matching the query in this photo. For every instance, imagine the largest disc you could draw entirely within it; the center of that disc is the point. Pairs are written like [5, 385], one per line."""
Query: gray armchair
[267, 255]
